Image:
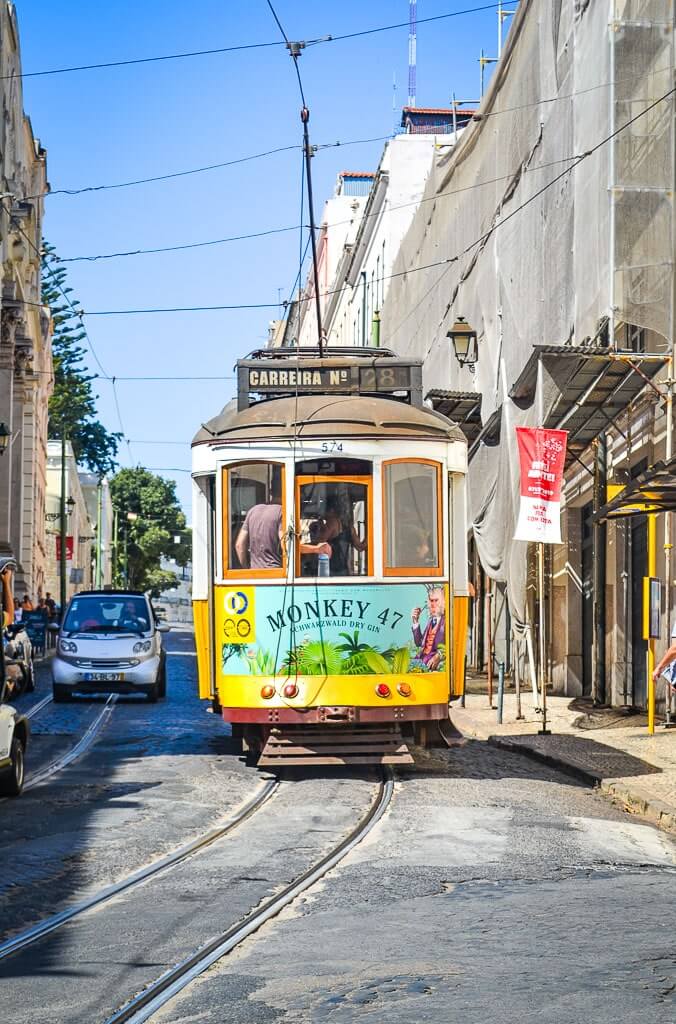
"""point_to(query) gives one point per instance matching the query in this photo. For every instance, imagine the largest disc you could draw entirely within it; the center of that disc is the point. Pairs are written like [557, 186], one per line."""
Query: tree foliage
[72, 407]
[149, 534]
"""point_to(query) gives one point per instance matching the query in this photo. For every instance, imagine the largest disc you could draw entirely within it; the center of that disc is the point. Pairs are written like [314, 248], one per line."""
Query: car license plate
[104, 677]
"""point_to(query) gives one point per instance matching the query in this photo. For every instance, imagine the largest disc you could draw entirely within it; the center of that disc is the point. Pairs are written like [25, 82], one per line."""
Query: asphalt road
[494, 888]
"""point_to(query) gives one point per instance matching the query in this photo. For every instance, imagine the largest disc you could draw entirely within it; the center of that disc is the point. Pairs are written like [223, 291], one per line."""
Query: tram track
[170, 984]
[50, 924]
[37, 708]
[80, 748]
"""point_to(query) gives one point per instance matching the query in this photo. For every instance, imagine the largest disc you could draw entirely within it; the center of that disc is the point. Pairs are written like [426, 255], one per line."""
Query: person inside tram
[342, 538]
[259, 541]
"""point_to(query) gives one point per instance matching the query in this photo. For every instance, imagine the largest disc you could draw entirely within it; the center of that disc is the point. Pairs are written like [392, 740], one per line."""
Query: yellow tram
[329, 562]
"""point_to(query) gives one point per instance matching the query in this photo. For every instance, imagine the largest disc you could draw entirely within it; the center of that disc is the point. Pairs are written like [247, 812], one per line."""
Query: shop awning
[594, 386]
[652, 491]
[462, 407]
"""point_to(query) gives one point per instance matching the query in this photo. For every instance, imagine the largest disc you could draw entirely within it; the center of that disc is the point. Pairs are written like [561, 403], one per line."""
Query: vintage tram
[329, 563]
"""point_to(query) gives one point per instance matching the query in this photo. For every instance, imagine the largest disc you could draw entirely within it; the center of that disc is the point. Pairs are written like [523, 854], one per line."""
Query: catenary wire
[195, 170]
[437, 263]
[328, 38]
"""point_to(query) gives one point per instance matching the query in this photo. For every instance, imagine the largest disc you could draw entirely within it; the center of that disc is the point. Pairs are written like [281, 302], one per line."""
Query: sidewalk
[603, 746]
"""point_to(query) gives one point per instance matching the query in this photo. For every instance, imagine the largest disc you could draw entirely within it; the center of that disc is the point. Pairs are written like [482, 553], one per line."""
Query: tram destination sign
[350, 377]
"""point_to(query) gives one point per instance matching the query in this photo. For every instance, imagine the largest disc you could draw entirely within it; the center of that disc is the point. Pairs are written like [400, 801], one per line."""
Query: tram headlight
[383, 690]
[404, 689]
[290, 690]
[267, 691]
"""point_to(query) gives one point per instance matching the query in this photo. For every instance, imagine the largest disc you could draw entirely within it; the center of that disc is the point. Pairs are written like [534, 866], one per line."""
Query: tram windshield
[413, 517]
[255, 516]
[333, 515]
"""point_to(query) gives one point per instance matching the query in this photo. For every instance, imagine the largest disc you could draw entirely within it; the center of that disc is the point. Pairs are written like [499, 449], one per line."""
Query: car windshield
[94, 614]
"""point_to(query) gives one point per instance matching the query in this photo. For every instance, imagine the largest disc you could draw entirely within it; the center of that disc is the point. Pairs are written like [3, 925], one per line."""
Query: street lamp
[70, 505]
[4, 438]
[464, 340]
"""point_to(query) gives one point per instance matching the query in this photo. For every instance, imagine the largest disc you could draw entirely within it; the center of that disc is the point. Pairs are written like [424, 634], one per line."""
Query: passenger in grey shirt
[259, 542]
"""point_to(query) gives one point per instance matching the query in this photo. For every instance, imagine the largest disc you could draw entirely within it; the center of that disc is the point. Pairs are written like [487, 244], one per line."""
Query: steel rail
[32, 712]
[50, 924]
[78, 750]
[173, 981]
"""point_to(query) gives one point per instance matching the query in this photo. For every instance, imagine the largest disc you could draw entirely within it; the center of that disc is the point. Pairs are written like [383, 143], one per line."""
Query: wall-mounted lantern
[464, 340]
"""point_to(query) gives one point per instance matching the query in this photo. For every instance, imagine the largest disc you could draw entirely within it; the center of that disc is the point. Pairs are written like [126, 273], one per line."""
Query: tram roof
[326, 416]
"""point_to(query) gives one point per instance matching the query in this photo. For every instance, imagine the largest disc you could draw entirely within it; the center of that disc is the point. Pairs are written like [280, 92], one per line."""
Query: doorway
[639, 646]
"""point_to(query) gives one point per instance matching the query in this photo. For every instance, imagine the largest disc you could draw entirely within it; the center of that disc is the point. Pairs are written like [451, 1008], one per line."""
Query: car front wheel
[11, 781]
[29, 675]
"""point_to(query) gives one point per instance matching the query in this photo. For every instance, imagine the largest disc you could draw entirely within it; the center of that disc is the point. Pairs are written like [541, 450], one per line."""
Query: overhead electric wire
[437, 263]
[327, 38]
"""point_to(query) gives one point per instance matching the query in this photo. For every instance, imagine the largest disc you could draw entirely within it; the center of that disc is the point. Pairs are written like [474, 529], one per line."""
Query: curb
[589, 778]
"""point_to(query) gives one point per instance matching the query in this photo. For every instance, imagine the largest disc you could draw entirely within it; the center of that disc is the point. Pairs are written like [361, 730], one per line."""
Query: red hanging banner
[69, 548]
[542, 454]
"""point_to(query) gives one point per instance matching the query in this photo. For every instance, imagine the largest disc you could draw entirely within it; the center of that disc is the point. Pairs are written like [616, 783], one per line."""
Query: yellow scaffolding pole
[652, 571]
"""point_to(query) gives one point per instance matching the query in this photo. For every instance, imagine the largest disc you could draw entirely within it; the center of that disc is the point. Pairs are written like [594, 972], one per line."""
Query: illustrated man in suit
[427, 640]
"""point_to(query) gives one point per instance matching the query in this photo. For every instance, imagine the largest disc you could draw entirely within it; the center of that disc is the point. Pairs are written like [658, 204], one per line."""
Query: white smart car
[109, 642]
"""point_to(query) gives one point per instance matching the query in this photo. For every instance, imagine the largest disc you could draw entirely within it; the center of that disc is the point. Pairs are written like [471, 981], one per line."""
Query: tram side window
[333, 521]
[255, 525]
[411, 517]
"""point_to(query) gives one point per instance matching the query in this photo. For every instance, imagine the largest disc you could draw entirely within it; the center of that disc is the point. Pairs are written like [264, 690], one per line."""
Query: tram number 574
[332, 446]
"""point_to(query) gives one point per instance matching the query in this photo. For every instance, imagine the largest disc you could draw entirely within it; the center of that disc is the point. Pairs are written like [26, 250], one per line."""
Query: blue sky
[111, 125]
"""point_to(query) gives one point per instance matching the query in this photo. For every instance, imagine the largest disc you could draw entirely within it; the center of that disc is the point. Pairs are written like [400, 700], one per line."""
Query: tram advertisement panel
[332, 630]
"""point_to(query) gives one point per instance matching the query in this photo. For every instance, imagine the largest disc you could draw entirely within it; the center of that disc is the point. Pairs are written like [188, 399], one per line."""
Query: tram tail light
[383, 690]
[404, 689]
[267, 691]
[290, 690]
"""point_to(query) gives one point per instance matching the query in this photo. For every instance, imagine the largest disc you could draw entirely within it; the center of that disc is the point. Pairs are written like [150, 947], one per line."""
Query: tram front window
[412, 517]
[255, 520]
[333, 517]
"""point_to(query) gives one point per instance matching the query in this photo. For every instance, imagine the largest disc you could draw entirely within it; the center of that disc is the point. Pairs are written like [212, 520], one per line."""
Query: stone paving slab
[626, 763]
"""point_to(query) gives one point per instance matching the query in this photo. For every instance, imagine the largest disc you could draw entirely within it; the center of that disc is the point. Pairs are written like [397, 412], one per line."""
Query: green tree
[72, 406]
[150, 521]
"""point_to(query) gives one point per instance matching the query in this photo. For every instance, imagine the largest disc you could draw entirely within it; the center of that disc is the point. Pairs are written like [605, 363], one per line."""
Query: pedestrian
[27, 604]
[18, 612]
[51, 605]
[667, 667]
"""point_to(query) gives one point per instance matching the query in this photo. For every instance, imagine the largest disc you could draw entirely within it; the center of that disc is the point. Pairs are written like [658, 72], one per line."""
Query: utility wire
[437, 263]
[243, 46]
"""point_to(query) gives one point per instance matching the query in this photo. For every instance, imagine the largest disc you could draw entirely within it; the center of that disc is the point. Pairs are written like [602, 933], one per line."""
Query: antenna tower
[412, 49]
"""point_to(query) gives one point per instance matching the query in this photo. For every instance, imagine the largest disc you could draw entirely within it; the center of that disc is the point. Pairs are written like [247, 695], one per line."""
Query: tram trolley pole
[501, 690]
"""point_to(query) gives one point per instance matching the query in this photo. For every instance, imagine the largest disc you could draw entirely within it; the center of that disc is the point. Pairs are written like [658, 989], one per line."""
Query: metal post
[99, 539]
[501, 690]
[489, 640]
[650, 655]
[63, 590]
[668, 724]
[305, 117]
[517, 680]
[464, 682]
[544, 731]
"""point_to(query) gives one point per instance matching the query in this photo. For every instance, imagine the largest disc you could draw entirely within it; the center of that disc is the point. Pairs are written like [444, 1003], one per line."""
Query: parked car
[109, 642]
[14, 733]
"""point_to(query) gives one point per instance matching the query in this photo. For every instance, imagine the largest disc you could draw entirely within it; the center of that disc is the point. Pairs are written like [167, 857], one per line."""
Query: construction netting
[533, 245]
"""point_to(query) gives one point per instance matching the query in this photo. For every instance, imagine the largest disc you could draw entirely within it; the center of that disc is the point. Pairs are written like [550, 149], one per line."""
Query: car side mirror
[162, 627]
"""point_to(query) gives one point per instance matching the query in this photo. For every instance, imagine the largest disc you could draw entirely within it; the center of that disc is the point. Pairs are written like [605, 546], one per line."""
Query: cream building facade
[26, 379]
